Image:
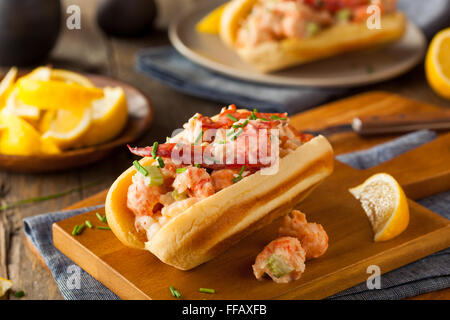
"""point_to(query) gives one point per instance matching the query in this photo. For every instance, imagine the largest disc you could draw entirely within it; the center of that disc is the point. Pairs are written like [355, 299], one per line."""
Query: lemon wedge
[70, 77]
[231, 19]
[385, 204]
[437, 63]
[7, 84]
[211, 22]
[109, 117]
[66, 127]
[15, 106]
[55, 95]
[5, 285]
[18, 137]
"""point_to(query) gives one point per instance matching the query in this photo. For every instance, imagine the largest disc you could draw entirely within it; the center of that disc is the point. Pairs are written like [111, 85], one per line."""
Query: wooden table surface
[90, 51]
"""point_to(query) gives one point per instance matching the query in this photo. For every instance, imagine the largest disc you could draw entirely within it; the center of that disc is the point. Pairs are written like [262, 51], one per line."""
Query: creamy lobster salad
[274, 20]
[209, 155]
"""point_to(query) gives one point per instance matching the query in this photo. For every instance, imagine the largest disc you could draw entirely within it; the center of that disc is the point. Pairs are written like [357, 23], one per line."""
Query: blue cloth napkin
[429, 274]
[168, 66]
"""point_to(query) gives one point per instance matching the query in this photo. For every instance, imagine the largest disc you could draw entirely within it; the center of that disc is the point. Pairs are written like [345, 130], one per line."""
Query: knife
[390, 124]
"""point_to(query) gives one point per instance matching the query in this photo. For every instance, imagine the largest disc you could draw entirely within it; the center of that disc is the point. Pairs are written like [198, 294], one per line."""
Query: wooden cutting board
[135, 274]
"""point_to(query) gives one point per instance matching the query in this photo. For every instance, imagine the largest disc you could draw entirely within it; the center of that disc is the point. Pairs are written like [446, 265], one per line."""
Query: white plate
[346, 70]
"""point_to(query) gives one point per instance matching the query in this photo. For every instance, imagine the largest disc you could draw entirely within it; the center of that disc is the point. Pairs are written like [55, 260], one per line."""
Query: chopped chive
[180, 170]
[103, 228]
[196, 165]
[232, 118]
[81, 228]
[100, 217]
[237, 134]
[48, 197]
[75, 230]
[160, 162]
[19, 294]
[255, 110]
[89, 224]
[199, 136]
[140, 168]
[154, 149]
[230, 132]
[253, 116]
[275, 117]
[175, 292]
[241, 125]
[263, 119]
[221, 142]
[207, 290]
[236, 179]
[242, 170]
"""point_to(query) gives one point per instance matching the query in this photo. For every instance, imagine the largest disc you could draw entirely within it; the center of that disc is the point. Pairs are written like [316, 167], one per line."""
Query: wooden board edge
[437, 240]
[96, 267]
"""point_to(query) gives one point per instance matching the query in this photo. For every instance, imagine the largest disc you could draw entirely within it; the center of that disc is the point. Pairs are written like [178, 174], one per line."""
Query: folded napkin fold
[166, 65]
[428, 274]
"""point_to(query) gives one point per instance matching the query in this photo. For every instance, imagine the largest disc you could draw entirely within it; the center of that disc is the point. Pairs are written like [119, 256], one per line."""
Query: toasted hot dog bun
[276, 55]
[214, 224]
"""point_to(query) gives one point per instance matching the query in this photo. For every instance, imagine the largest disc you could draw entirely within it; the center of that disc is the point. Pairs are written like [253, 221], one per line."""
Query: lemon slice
[109, 116]
[66, 127]
[5, 285]
[385, 204]
[7, 84]
[70, 77]
[18, 137]
[437, 63]
[15, 106]
[211, 22]
[231, 18]
[55, 95]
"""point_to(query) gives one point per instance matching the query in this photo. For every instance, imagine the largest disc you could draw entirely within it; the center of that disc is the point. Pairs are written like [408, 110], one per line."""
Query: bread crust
[340, 38]
[214, 224]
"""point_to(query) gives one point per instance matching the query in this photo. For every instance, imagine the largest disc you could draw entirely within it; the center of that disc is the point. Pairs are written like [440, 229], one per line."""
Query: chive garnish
[196, 165]
[263, 119]
[255, 110]
[81, 228]
[232, 118]
[89, 224]
[103, 228]
[239, 176]
[207, 290]
[48, 197]
[237, 134]
[275, 117]
[75, 230]
[154, 149]
[241, 125]
[140, 168]
[175, 292]
[100, 217]
[230, 132]
[180, 170]
[19, 294]
[199, 136]
[161, 162]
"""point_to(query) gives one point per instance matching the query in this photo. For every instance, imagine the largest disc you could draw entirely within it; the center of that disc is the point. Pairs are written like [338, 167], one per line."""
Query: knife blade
[390, 124]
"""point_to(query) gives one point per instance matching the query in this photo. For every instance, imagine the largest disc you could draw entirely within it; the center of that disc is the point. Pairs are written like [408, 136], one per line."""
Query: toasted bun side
[272, 56]
[120, 218]
[234, 12]
[214, 224]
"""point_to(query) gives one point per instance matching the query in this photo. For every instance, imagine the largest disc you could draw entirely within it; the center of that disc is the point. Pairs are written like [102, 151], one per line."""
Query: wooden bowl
[140, 116]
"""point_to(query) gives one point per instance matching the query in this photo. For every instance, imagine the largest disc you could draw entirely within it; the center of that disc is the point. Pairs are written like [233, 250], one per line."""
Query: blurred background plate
[140, 116]
[346, 70]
